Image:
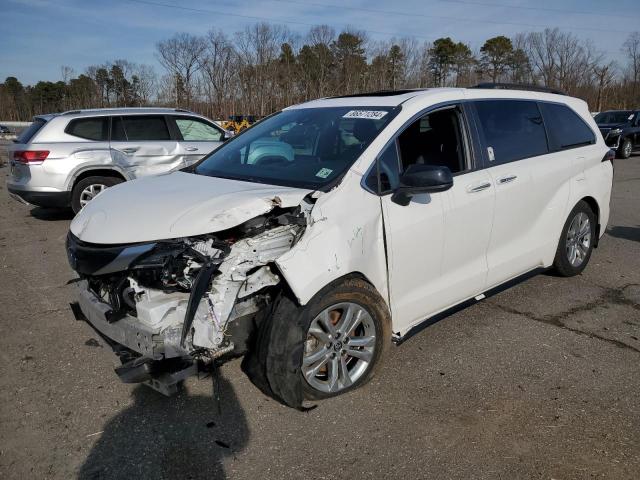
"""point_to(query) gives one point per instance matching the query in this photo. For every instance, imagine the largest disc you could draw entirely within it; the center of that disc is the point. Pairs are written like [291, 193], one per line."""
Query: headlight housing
[615, 131]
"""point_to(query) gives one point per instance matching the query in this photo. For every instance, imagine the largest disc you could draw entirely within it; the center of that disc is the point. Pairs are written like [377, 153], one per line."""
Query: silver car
[66, 159]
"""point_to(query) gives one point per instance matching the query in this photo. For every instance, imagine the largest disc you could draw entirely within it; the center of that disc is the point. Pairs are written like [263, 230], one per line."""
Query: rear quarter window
[30, 131]
[513, 129]
[565, 128]
[96, 129]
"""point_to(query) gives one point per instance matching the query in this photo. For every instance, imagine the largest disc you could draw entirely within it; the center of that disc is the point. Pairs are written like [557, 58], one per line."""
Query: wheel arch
[595, 208]
[96, 172]
[335, 281]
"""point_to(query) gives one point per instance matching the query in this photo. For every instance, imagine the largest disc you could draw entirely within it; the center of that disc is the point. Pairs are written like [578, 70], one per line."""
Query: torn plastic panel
[176, 299]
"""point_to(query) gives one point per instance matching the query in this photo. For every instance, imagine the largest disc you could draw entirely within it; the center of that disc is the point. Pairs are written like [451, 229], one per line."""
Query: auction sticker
[370, 114]
[324, 172]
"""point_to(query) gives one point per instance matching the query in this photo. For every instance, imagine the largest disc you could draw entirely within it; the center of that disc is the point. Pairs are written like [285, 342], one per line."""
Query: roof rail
[184, 110]
[517, 86]
[381, 93]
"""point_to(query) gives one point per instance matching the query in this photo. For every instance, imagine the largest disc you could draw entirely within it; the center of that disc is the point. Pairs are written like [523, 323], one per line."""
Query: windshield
[304, 148]
[620, 116]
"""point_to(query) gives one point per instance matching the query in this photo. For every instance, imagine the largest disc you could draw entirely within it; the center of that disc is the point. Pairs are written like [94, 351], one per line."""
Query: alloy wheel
[90, 192]
[578, 239]
[627, 149]
[339, 347]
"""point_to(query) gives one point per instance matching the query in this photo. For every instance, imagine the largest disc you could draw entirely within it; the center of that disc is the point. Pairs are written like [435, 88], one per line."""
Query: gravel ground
[539, 381]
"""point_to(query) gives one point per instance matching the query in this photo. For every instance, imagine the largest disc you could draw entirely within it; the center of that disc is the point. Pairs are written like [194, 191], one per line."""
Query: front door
[197, 137]
[437, 243]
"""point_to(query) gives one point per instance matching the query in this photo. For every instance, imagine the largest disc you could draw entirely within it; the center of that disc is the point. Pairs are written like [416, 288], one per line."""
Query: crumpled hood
[176, 205]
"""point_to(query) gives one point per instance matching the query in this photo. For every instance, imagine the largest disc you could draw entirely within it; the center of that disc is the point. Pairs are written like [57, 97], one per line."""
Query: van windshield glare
[303, 148]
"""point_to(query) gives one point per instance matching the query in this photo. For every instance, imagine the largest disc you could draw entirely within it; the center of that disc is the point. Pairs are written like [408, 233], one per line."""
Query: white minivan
[317, 237]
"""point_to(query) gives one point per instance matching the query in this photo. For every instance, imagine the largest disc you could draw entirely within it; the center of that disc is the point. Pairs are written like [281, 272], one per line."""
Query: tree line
[266, 67]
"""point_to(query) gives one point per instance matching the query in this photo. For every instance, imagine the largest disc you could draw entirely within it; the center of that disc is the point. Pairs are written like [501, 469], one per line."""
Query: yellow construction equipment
[237, 123]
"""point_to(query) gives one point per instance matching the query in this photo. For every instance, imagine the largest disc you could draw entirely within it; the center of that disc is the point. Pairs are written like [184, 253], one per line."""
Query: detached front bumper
[147, 355]
[128, 331]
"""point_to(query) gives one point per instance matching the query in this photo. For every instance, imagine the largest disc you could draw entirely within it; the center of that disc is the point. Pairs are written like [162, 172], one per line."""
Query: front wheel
[576, 241]
[625, 148]
[328, 347]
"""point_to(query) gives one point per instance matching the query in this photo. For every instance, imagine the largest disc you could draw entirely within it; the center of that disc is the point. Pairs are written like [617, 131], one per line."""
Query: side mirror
[419, 179]
[227, 135]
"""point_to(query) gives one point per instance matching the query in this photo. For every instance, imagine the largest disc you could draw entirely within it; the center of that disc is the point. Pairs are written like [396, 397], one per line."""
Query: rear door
[197, 137]
[143, 145]
[514, 144]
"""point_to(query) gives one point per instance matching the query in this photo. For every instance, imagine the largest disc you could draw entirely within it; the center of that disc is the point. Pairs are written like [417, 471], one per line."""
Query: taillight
[30, 156]
[609, 156]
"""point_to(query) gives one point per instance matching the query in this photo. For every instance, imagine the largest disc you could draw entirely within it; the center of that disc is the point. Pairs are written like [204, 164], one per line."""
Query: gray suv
[66, 159]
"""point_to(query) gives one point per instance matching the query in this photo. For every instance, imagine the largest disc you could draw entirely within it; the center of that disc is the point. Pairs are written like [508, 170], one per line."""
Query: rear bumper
[41, 199]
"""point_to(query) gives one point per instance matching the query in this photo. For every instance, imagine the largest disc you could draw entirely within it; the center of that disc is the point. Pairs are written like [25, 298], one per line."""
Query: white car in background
[310, 253]
[65, 160]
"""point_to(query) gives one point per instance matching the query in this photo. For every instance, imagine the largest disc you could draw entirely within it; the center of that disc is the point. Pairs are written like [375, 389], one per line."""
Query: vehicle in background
[67, 159]
[621, 130]
[333, 227]
[4, 130]
[238, 123]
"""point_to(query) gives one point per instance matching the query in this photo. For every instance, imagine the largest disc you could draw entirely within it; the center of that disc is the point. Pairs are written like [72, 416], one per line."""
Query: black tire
[275, 362]
[562, 264]
[87, 182]
[625, 148]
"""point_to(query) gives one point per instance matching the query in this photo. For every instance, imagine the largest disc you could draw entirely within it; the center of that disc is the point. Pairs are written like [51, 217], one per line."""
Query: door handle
[130, 149]
[191, 149]
[507, 179]
[478, 188]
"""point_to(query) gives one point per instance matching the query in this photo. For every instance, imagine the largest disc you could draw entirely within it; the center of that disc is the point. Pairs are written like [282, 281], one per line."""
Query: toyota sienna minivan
[67, 159]
[317, 237]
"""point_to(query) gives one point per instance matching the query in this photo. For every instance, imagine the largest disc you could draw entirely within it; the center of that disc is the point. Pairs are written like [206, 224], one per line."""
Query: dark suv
[621, 130]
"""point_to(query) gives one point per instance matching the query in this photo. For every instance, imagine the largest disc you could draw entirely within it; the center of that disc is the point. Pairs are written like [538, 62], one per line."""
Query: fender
[344, 235]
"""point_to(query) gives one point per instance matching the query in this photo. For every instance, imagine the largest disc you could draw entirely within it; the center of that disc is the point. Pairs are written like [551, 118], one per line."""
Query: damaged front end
[170, 309]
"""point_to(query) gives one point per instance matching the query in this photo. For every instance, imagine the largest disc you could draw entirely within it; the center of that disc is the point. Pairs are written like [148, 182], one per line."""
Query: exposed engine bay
[171, 308]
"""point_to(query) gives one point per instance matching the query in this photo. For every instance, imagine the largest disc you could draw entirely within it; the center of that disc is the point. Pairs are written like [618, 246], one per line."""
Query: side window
[140, 128]
[434, 139]
[513, 129]
[89, 128]
[565, 128]
[195, 130]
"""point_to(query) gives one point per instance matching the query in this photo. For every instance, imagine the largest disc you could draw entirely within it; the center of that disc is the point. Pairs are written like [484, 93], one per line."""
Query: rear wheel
[625, 148]
[88, 188]
[576, 241]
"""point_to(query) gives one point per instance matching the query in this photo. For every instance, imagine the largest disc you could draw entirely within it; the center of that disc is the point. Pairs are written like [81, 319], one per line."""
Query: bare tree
[218, 69]
[147, 83]
[631, 48]
[181, 56]
[605, 76]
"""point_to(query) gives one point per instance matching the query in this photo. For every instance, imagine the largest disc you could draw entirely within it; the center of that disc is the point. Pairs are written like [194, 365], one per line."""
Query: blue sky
[39, 36]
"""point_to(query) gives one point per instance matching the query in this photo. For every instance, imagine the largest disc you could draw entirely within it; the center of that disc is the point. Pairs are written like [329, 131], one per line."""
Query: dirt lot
[540, 381]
